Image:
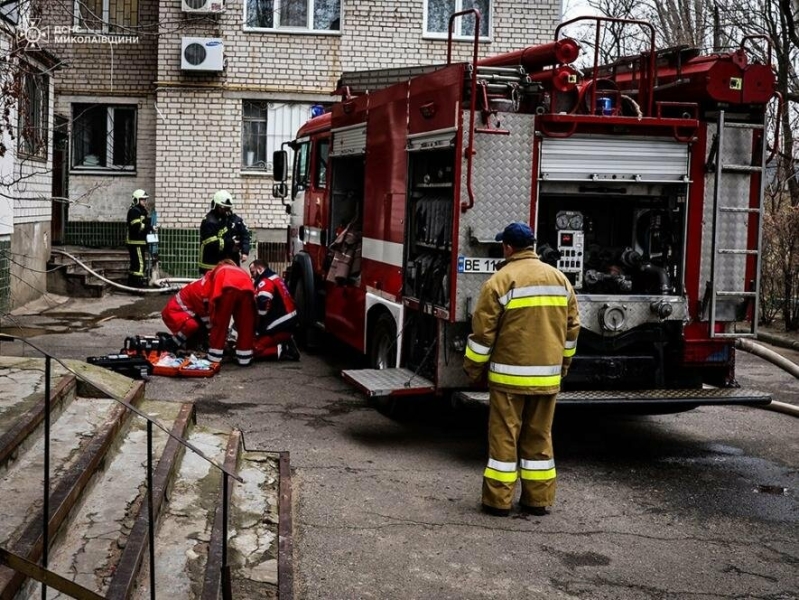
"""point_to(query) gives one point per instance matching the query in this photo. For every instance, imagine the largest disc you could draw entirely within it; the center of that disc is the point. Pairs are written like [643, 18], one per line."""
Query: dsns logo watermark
[34, 35]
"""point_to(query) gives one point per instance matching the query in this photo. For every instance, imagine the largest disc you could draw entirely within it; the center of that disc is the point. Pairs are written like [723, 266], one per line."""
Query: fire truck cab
[642, 179]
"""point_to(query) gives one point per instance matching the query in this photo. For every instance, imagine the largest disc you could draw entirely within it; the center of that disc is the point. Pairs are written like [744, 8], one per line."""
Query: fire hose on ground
[166, 285]
[774, 358]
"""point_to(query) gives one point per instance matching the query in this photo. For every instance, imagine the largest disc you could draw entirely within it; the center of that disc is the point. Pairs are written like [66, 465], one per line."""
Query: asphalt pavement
[702, 504]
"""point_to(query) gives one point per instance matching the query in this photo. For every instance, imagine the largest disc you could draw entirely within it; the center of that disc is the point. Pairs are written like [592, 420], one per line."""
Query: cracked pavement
[703, 504]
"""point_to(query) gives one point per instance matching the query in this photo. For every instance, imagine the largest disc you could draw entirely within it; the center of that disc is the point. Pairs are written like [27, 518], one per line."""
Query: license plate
[467, 264]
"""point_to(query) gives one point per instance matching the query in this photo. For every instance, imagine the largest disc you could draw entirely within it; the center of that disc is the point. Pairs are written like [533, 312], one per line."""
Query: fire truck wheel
[306, 333]
[383, 343]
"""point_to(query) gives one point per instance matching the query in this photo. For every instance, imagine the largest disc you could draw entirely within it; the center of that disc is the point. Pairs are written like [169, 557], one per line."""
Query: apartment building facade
[211, 87]
[26, 158]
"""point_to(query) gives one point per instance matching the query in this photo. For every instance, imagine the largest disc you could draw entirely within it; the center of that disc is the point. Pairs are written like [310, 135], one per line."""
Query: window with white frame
[104, 136]
[265, 125]
[293, 15]
[107, 16]
[253, 134]
[33, 113]
[438, 12]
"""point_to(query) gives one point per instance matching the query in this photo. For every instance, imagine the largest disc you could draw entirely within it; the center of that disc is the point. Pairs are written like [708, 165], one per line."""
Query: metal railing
[51, 579]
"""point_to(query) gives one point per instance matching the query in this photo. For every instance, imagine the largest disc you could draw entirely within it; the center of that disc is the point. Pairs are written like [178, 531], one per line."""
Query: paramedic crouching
[524, 333]
[277, 315]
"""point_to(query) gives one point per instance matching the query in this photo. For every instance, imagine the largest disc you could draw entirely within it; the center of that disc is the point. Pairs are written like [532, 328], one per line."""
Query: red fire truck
[642, 179]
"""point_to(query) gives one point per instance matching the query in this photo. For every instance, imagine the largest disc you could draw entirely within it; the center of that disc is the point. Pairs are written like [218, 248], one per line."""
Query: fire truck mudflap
[646, 398]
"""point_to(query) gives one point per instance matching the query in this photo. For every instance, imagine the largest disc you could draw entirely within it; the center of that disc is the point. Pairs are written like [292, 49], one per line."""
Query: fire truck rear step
[388, 382]
[616, 398]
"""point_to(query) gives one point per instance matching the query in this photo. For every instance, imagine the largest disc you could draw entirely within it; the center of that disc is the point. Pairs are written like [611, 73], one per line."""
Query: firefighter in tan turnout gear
[138, 225]
[524, 333]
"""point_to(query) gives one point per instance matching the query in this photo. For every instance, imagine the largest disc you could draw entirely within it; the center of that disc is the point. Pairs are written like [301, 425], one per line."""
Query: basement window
[104, 137]
[286, 16]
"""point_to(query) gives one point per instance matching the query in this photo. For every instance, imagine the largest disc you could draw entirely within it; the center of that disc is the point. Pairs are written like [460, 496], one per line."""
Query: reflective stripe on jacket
[212, 240]
[524, 328]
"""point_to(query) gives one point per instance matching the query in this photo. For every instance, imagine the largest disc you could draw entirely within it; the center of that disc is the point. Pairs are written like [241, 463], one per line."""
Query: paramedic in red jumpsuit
[231, 294]
[186, 313]
[277, 315]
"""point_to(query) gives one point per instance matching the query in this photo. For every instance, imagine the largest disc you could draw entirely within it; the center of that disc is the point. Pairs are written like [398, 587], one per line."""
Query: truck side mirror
[280, 161]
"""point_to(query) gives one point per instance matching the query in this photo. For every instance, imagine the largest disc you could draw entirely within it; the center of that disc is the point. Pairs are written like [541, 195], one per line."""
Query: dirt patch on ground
[144, 308]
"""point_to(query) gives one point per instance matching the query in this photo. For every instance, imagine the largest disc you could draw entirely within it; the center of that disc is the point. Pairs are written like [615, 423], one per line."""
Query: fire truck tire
[383, 343]
[302, 292]
[382, 353]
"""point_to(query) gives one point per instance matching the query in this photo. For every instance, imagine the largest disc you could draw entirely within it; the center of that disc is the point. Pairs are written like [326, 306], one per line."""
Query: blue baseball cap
[518, 235]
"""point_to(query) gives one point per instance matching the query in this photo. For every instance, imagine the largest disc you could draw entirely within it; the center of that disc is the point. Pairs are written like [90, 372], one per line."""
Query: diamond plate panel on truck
[502, 184]
[617, 158]
[646, 397]
[732, 227]
[388, 382]
[636, 309]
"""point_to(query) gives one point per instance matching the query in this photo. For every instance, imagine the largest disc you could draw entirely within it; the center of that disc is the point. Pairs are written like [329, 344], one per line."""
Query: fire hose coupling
[613, 317]
[661, 309]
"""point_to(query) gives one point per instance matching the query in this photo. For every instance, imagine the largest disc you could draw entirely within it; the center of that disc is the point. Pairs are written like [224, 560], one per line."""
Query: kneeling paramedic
[524, 333]
[186, 313]
[277, 315]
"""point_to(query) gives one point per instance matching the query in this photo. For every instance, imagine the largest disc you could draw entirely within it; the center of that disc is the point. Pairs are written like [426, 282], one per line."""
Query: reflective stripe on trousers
[520, 447]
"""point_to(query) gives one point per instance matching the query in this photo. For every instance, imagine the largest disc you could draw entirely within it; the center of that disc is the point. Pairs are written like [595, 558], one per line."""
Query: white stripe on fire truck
[382, 251]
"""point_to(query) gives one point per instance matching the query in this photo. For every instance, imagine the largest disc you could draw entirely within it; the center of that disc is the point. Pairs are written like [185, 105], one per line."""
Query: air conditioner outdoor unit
[202, 54]
[203, 6]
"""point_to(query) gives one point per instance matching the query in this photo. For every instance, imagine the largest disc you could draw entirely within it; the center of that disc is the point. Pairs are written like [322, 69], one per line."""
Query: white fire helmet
[222, 198]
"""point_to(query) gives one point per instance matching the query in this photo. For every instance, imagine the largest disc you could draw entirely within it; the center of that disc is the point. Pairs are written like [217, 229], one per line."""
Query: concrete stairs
[68, 278]
[98, 501]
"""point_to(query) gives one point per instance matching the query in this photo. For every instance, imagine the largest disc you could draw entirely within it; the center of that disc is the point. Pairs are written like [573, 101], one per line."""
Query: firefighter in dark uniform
[138, 227]
[223, 234]
[524, 333]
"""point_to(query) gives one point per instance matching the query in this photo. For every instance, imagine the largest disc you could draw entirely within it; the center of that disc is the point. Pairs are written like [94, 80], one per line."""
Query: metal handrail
[46, 577]
[226, 472]
[470, 148]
